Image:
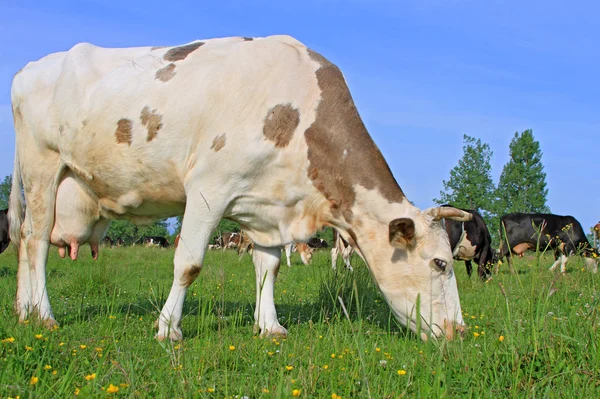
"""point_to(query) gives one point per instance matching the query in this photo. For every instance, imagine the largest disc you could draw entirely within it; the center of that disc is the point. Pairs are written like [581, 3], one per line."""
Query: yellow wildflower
[28, 348]
[112, 389]
[325, 367]
[90, 377]
[112, 317]
[9, 340]
[77, 391]
[401, 372]
[265, 390]
[211, 390]
[39, 336]
[123, 385]
[333, 355]
[231, 347]
[83, 346]
[296, 392]
[377, 349]
[47, 367]
[289, 368]
[34, 380]
[61, 344]
[501, 338]
[98, 349]
[335, 396]
[476, 334]
[54, 372]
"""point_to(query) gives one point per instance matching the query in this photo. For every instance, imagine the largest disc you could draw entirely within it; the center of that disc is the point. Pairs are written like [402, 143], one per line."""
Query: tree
[522, 185]
[470, 185]
[5, 187]
[130, 233]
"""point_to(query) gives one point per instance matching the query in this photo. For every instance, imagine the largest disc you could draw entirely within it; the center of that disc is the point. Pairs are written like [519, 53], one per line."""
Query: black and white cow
[541, 231]
[4, 238]
[155, 241]
[471, 241]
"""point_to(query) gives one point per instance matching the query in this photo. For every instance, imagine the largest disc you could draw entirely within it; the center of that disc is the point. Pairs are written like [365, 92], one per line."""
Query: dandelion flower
[296, 393]
[61, 344]
[83, 346]
[98, 349]
[401, 372]
[9, 340]
[289, 368]
[28, 348]
[90, 377]
[34, 380]
[325, 367]
[54, 372]
[39, 336]
[231, 347]
[335, 396]
[47, 367]
[77, 391]
[501, 338]
[476, 334]
[112, 389]
[377, 349]
[333, 355]
[265, 390]
[210, 390]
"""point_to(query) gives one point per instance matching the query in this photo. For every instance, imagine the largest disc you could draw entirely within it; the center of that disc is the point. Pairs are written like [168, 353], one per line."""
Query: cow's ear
[402, 233]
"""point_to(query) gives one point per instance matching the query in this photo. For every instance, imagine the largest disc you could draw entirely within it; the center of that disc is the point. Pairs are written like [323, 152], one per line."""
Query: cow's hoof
[172, 335]
[274, 332]
[50, 324]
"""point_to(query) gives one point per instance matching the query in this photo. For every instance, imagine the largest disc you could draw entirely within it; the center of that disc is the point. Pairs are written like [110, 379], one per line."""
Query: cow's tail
[16, 203]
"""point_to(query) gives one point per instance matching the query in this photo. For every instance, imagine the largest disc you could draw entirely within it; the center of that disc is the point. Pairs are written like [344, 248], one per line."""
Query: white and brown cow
[262, 131]
[303, 249]
[343, 247]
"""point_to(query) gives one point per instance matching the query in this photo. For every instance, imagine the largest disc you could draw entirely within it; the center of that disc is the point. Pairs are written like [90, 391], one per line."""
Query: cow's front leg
[266, 265]
[198, 222]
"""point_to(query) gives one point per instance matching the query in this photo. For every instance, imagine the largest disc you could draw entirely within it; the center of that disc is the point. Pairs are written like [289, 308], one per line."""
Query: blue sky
[422, 73]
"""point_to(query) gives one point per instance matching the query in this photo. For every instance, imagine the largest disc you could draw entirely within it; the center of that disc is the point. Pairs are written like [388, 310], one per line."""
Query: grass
[534, 334]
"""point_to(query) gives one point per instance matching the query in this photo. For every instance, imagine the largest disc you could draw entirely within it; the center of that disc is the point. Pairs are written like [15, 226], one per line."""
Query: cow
[471, 241]
[260, 131]
[317, 243]
[155, 241]
[541, 231]
[341, 246]
[108, 242]
[4, 236]
[246, 245]
[305, 251]
[230, 240]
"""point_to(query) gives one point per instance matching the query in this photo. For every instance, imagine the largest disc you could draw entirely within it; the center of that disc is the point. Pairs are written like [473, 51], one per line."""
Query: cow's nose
[453, 329]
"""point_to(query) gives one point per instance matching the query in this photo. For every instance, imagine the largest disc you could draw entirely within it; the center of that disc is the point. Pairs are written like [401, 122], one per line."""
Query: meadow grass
[533, 334]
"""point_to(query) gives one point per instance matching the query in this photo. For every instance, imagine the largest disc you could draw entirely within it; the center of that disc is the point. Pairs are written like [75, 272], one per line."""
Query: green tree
[130, 233]
[5, 187]
[470, 185]
[522, 185]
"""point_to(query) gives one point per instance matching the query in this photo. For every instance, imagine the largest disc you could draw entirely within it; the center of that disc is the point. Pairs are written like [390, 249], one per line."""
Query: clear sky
[422, 73]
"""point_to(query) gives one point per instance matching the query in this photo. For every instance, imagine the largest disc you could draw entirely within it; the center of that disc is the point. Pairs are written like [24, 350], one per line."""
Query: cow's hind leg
[198, 223]
[469, 267]
[266, 265]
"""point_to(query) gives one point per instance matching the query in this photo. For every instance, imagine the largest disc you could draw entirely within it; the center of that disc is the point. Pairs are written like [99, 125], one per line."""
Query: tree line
[521, 188]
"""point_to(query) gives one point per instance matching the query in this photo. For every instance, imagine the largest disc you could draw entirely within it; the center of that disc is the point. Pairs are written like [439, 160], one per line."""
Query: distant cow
[107, 241]
[4, 238]
[470, 241]
[228, 240]
[341, 246]
[155, 241]
[531, 231]
[246, 245]
[305, 251]
[317, 243]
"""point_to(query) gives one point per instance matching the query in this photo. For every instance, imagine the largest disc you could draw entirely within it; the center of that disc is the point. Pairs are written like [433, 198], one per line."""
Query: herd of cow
[262, 131]
[469, 241]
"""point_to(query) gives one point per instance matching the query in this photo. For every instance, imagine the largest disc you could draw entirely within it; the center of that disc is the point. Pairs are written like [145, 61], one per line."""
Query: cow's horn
[447, 212]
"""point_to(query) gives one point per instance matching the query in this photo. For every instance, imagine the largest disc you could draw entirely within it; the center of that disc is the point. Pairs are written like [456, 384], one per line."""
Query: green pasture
[533, 334]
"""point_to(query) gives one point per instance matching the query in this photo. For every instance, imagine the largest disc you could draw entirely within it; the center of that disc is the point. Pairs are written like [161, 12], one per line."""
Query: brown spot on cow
[165, 74]
[190, 275]
[280, 123]
[218, 142]
[181, 52]
[152, 121]
[123, 132]
[339, 144]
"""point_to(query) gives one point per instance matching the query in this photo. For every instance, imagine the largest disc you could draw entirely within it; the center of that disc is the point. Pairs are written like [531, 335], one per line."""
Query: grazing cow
[4, 236]
[108, 242]
[155, 241]
[263, 132]
[531, 231]
[246, 244]
[471, 241]
[341, 246]
[305, 251]
[119, 242]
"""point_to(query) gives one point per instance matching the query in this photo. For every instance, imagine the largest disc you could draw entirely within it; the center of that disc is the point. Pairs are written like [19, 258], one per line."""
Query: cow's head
[414, 270]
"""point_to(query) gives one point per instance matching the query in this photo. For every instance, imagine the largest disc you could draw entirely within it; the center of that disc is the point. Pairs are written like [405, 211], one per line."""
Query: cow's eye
[440, 264]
